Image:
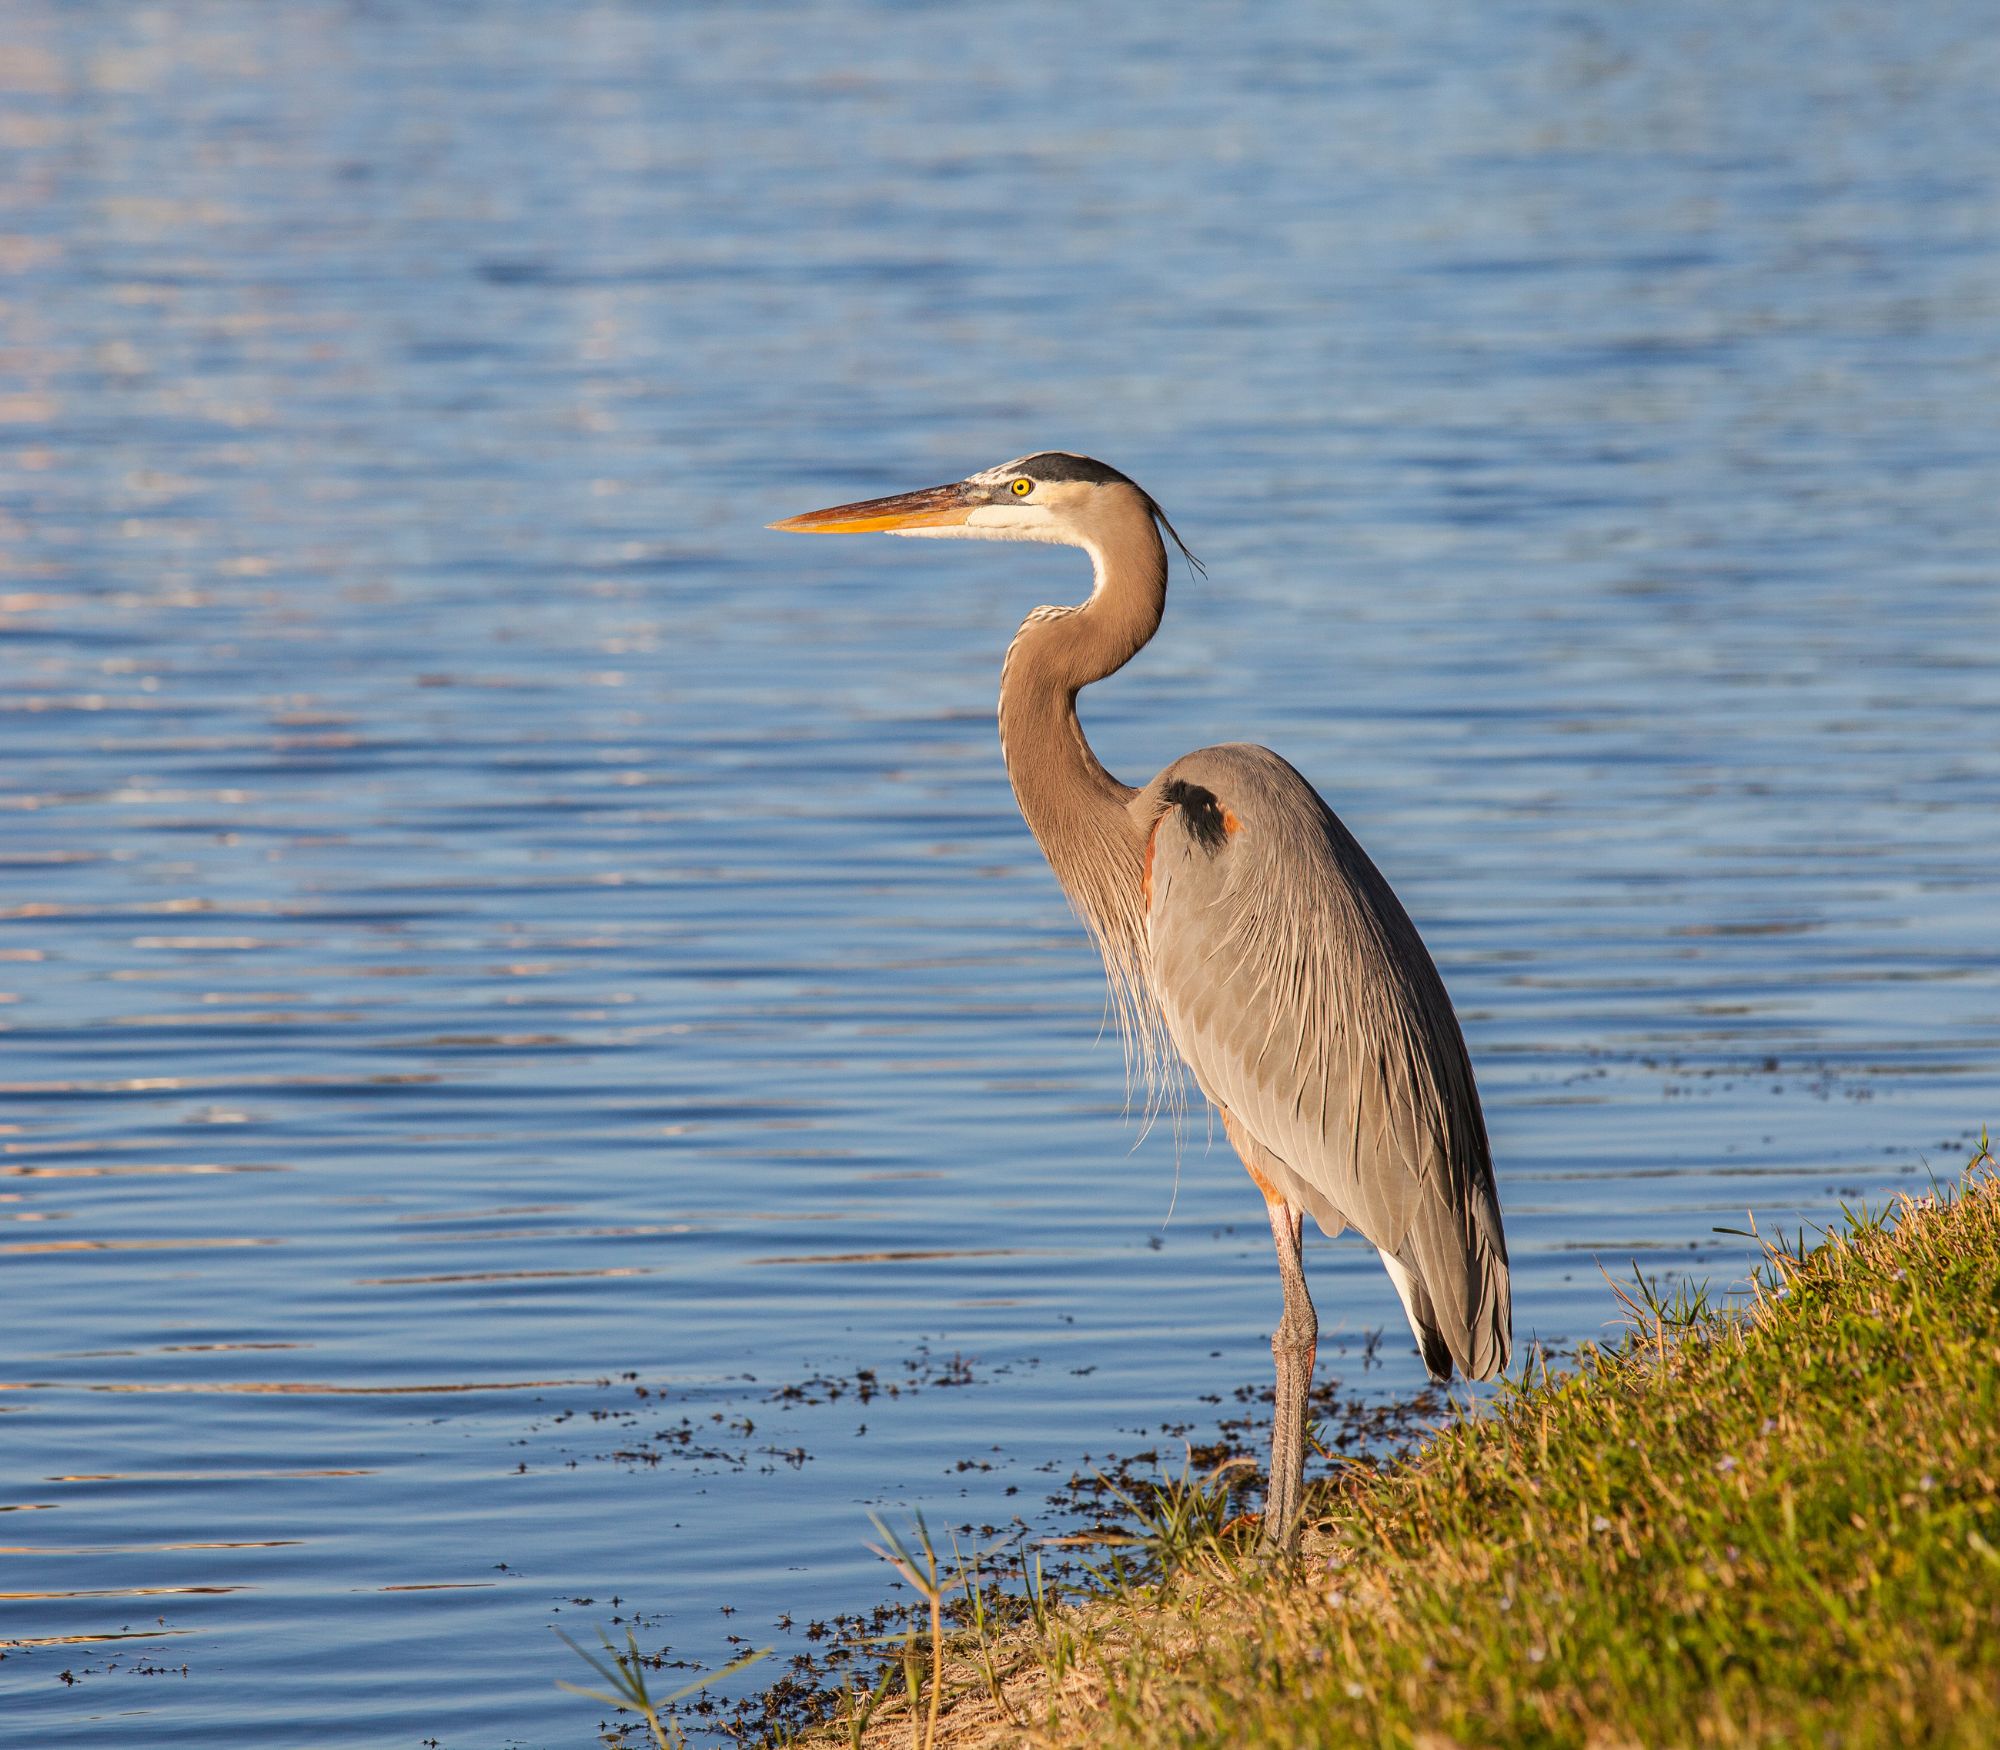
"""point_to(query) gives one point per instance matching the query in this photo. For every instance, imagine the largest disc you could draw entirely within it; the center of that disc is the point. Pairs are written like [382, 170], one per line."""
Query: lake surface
[509, 973]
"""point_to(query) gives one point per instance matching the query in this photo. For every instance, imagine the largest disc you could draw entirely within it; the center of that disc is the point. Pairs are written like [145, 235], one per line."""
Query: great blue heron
[1238, 918]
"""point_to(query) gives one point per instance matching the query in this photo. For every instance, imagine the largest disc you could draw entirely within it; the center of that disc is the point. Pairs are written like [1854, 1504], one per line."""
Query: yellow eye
[1023, 487]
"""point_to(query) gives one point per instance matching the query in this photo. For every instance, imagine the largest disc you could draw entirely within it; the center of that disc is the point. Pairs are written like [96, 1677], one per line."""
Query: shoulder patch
[1205, 817]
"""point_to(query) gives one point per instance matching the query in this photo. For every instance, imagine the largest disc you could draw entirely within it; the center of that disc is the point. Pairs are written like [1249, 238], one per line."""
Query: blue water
[504, 963]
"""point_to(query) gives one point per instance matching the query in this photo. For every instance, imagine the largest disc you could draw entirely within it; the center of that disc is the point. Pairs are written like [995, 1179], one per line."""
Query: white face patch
[1008, 514]
[1006, 519]
[1002, 522]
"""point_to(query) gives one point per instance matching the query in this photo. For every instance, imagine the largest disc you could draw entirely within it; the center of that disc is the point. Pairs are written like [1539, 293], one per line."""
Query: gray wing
[1302, 997]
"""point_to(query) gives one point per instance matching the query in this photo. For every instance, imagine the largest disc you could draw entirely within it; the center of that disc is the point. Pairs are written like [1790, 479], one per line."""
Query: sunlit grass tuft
[1186, 1521]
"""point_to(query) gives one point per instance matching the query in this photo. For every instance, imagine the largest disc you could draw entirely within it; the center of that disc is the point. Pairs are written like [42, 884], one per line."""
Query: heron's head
[1051, 496]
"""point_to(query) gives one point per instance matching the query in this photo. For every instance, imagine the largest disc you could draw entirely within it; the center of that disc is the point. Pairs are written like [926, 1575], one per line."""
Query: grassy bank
[1778, 1524]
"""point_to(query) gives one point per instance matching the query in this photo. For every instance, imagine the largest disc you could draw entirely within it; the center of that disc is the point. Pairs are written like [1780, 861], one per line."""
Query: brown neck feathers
[1076, 809]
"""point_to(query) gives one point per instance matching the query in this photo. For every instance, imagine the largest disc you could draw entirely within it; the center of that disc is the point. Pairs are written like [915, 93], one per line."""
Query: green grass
[627, 1691]
[1772, 1524]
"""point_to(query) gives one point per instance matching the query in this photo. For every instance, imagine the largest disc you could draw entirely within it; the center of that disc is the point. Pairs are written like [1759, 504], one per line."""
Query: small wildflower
[1336, 1598]
[1536, 1655]
[1600, 1523]
[1354, 1690]
[1726, 1463]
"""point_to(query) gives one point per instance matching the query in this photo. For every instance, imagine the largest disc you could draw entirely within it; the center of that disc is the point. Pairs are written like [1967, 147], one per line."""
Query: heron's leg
[1293, 1347]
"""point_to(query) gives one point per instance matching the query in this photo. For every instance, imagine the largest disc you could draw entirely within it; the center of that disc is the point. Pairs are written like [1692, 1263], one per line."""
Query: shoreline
[1766, 1523]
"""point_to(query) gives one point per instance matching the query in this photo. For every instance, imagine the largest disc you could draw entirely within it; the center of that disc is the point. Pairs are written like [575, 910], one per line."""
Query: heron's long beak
[934, 507]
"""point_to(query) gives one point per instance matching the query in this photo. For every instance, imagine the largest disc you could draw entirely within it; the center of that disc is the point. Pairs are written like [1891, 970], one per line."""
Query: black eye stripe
[1057, 465]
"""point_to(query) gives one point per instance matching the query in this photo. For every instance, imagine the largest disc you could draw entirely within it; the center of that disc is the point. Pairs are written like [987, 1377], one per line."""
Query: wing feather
[1300, 994]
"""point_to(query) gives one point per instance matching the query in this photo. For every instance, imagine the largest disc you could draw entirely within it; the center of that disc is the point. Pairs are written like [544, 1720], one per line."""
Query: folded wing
[1298, 990]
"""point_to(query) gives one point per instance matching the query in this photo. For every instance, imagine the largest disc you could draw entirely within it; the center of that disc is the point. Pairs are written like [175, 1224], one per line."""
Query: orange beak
[934, 507]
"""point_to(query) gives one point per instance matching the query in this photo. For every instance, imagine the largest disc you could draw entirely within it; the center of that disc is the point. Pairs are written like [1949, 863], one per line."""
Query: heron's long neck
[1075, 808]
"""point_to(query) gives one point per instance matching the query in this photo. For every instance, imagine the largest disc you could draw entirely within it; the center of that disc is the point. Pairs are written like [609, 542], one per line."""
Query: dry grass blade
[922, 1572]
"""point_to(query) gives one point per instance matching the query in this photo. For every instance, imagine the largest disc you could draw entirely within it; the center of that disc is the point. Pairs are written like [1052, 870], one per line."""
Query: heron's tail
[1481, 1351]
[1416, 1299]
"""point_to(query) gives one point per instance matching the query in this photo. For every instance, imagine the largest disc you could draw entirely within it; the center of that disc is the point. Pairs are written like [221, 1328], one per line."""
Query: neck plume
[1079, 813]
